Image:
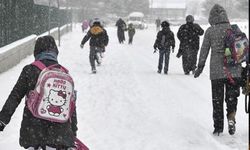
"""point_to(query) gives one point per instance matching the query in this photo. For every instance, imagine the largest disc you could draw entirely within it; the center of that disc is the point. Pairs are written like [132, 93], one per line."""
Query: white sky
[167, 3]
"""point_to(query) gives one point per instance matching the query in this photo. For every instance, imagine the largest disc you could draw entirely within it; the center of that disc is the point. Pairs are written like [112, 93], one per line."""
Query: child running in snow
[98, 41]
[35, 133]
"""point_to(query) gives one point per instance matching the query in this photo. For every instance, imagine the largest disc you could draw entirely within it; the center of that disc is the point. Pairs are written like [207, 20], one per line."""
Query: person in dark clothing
[37, 133]
[98, 41]
[158, 24]
[222, 88]
[164, 41]
[131, 33]
[121, 27]
[188, 34]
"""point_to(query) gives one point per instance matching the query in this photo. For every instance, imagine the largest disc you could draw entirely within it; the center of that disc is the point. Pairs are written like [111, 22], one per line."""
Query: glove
[81, 45]
[172, 50]
[2, 125]
[198, 71]
[178, 55]
[155, 46]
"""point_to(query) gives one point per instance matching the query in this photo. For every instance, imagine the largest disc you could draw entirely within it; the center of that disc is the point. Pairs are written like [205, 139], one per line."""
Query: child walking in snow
[98, 41]
[36, 133]
[164, 41]
[131, 33]
[223, 90]
[85, 25]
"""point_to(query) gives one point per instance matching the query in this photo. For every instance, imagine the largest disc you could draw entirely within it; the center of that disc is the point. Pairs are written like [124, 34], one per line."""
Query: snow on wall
[12, 54]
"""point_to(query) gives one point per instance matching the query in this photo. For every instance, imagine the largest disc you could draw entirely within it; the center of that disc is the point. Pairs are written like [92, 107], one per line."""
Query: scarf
[47, 55]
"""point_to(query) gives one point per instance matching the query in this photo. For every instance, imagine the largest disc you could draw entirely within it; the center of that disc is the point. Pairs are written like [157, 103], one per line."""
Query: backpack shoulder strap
[64, 69]
[39, 64]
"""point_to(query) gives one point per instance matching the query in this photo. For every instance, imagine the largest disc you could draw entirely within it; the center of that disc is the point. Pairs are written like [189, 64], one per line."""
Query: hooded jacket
[188, 34]
[36, 132]
[214, 40]
[165, 39]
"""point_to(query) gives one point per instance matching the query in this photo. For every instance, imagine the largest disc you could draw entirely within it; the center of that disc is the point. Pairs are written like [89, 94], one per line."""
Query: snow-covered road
[128, 106]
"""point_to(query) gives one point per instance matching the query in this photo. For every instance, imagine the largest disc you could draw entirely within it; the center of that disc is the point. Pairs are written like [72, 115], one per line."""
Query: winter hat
[217, 15]
[45, 44]
[96, 21]
[190, 19]
[164, 24]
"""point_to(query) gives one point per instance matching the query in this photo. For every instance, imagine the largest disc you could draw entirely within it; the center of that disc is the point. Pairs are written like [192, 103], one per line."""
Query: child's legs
[232, 94]
[185, 62]
[130, 39]
[166, 61]
[161, 54]
[92, 57]
[194, 59]
[218, 100]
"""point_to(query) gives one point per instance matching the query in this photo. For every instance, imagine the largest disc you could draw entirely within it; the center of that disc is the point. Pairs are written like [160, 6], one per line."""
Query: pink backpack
[53, 98]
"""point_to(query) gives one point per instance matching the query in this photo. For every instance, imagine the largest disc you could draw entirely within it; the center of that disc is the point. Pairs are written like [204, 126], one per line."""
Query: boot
[231, 127]
[217, 132]
[231, 123]
[93, 70]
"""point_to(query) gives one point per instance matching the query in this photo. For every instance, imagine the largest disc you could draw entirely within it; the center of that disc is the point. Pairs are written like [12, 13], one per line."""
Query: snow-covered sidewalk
[128, 106]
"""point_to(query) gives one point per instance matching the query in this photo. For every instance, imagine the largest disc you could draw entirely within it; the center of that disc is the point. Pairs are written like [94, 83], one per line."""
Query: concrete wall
[12, 54]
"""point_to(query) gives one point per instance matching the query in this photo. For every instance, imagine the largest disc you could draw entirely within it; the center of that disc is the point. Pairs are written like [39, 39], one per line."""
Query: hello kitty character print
[53, 97]
[56, 100]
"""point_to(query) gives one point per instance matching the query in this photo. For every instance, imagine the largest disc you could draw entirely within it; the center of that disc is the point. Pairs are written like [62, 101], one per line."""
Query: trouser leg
[130, 40]
[185, 63]
[217, 100]
[232, 94]
[189, 53]
[193, 59]
[166, 61]
[92, 57]
[160, 62]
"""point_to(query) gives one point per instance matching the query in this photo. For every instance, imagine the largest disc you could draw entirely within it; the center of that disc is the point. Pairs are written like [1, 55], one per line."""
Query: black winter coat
[98, 37]
[121, 25]
[165, 39]
[188, 34]
[36, 132]
[131, 31]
